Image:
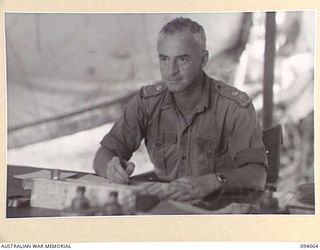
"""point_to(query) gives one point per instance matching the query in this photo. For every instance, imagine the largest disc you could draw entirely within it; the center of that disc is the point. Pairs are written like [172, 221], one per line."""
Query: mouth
[173, 82]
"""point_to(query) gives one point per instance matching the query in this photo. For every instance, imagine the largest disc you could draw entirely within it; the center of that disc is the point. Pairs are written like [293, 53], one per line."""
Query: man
[201, 134]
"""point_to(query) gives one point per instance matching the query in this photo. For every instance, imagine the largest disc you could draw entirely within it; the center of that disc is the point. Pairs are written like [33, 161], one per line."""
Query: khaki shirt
[223, 133]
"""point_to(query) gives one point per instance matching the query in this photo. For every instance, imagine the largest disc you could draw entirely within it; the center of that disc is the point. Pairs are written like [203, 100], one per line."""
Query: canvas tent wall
[66, 72]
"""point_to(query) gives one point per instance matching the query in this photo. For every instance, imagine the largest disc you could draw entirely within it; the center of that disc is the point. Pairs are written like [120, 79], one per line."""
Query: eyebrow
[183, 55]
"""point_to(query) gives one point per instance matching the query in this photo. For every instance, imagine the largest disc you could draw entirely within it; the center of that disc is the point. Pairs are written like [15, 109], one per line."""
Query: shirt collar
[204, 104]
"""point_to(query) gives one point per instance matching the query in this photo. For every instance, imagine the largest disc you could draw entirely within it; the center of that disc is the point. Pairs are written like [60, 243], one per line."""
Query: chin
[175, 87]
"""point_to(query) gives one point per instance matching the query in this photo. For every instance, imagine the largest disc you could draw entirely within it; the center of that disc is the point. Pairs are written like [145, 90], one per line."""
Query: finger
[114, 176]
[120, 171]
[176, 192]
[185, 197]
[169, 190]
[115, 172]
[130, 168]
[118, 167]
[183, 185]
[118, 178]
[183, 180]
[176, 195]
[121, 177]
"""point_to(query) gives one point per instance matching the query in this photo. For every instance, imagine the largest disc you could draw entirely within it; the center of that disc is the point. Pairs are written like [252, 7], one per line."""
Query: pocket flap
[166, 138]
[206, 145]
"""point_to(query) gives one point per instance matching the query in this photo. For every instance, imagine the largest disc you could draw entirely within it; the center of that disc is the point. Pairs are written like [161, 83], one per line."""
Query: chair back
[272, 139]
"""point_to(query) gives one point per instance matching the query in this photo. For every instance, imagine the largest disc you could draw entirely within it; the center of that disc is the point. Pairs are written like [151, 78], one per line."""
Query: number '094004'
[309, 246]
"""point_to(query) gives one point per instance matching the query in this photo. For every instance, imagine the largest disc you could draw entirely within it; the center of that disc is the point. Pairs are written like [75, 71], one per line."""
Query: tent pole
[268, 76]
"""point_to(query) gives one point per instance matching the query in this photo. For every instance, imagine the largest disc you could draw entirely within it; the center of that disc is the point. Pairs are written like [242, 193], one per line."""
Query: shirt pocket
[165, 139]
[204, 154]
[165, 153]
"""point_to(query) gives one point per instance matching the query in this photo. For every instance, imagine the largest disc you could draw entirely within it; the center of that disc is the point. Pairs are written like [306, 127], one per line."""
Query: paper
[46, 174]
[93, 179]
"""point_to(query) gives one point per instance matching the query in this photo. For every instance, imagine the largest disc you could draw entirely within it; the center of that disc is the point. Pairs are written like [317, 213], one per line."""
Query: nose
[173, 68]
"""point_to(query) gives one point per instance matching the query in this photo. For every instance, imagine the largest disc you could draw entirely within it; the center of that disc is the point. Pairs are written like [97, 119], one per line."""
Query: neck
[195, 86]
[189, 98]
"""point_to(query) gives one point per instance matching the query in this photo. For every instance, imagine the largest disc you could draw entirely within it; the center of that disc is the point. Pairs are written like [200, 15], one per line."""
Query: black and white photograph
[151, 114]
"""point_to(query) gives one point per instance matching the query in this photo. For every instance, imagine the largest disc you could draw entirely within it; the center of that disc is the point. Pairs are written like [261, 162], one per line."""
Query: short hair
[180, 23]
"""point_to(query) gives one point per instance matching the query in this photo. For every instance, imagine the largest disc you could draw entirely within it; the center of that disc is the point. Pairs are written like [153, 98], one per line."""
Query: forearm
[102, 157]
[250, 176]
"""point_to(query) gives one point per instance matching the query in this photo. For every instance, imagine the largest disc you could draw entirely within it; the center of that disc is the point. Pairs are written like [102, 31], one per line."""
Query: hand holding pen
[119, 170]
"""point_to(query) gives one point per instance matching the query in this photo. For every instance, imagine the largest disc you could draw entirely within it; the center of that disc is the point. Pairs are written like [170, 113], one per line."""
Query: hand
[190, 188]
[119, 171]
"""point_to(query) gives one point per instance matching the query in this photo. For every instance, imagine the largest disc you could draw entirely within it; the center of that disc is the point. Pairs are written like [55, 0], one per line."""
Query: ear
[205, 58]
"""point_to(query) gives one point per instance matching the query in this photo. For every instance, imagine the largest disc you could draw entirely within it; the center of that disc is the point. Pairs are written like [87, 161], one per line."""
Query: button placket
[211, 160]
[188, 148]
[183, 153]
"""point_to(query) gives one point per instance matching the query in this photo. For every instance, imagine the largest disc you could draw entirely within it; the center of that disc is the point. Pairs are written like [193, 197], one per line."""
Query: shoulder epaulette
[233, 93]
[152, 90]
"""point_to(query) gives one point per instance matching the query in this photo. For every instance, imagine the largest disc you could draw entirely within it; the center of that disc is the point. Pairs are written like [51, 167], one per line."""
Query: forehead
[181, 42]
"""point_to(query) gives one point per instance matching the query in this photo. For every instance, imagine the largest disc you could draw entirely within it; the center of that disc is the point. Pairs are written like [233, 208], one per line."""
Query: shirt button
[184, 157]
[234, 93]
[209, 154]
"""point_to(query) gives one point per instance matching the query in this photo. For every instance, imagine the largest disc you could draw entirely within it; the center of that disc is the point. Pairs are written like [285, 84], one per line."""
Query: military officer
[201, 134]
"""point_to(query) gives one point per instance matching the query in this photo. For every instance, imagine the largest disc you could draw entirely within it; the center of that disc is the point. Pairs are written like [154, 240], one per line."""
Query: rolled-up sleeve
[128, 131]
[245, 143]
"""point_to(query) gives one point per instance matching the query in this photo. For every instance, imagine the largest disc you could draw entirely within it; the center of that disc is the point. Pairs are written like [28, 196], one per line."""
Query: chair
[272, 139]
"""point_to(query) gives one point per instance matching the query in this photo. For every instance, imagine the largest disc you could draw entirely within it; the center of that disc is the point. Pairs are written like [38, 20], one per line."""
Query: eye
[183, 59]
[163, 58]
